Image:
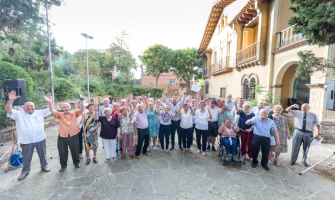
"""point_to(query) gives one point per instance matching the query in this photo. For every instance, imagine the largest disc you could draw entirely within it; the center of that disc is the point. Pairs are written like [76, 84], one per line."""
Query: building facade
[248, 43]
[165, 80]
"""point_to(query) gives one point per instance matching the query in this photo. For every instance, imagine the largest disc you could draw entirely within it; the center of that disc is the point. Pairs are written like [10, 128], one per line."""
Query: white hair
[264, 110]
[151, 99]
[106, 99]
[115, 104]
[229, 94]
[67, 104]
[260, 102]
[123, 100]
[306, 104]
[246, 105]
[138, 105]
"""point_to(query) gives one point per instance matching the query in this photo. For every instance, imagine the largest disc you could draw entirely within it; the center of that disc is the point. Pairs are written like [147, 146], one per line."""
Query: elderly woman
[90, 134]
[127, 131]
[202, 116]
[283, 132]
[165, 127]
[110, 129]
[246, 131]
[228, 139]
[186, 126]
[152, 124]
[158, 105]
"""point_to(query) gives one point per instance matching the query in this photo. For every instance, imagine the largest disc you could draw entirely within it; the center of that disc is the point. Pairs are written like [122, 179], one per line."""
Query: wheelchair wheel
[218, 151]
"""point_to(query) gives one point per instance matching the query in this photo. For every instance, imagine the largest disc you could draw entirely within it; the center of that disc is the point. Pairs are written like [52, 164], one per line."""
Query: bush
[64, 89]
[10, 71]
[4, 120]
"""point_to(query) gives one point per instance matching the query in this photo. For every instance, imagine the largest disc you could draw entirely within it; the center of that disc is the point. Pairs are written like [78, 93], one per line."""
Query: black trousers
[187, 135]
[256, 143]
[175, 125]
[143, 135]
[63, 143]
[80, 137]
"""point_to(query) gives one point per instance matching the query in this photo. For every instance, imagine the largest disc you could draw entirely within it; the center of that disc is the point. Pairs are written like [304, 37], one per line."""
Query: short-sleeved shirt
[173, 107]
[201, 121]
[29, 127]
[263, 128]
[256, 110]
[68, 123]
[186, 119]
[311, 119]
[165, 119]
[228, 132]
[230, 104]
[223, 116]
[243, 119]
[102, 108]
[141, 119]
[125, 129]
[215, 114]
[233, 114]
[108, 128]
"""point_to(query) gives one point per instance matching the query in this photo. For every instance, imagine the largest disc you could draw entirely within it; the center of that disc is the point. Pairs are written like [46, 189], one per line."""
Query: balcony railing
[287, 37]
[247, 54]
[221, 65]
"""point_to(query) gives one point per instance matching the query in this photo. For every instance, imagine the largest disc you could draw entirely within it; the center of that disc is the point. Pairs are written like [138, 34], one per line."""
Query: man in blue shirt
[175, 122]
[261, 139]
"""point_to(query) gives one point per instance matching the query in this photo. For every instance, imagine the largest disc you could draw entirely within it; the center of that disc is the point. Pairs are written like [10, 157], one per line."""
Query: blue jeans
[230, 149]
[203, 134]
[256, 144]
[186, 135]
[175, 125]
[143, 135]
[164, 131]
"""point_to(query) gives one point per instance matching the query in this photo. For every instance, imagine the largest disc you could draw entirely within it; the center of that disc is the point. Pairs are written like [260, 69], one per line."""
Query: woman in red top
[116, 111]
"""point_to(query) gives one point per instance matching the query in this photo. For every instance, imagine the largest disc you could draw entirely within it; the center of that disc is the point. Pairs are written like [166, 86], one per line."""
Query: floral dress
[125, 129]
[281, 124]
[152, 122]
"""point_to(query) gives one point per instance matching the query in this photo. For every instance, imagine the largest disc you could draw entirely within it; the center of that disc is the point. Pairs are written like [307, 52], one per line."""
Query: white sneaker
[148, 149]
[155, 148]
[106, 160]
[198, 151]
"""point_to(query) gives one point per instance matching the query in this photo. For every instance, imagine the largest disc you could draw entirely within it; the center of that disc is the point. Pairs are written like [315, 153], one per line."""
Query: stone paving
[173, 175]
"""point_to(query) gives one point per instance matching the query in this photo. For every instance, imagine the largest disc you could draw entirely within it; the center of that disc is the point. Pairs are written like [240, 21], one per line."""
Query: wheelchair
[221, 151]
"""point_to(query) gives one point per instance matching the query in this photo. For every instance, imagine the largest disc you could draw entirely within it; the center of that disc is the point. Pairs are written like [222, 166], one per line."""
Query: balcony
[222, 66]
[247, 54]
[287, 40]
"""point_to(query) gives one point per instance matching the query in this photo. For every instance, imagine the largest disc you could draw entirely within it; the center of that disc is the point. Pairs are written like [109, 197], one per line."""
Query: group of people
[136, 122]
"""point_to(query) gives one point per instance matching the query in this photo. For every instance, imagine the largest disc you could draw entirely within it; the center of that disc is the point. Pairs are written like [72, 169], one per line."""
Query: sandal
[203, 153]
[22, 177]
[46, 170]
[189, 150]
[88, 161]
[198, 151]
[276, 162]
[95, 160]
[270, 162]
[184, 150]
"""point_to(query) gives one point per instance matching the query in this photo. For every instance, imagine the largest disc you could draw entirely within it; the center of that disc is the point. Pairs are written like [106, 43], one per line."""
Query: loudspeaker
[18, 86]
[330, 98]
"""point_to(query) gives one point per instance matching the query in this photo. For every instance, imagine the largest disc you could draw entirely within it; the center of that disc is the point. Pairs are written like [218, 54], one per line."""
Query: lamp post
[88, 81]
[56, 3]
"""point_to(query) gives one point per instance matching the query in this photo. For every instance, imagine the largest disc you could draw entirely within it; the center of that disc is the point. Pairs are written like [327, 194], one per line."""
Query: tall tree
[157, 60]
[188, 65]
[316, 21]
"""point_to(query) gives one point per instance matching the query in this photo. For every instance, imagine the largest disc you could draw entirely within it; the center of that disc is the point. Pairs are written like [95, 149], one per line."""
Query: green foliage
[4, 120]
[201, 82]
[315, 20]
[10, 71]
[41, 79]
[64, 89]
[157, 60]
[58, 69]
[262, 90]
[188, 65]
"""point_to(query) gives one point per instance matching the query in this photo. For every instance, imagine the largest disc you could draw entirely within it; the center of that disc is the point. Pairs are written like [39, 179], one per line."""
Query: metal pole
[316, 164]
[88, 76]
[49, 49]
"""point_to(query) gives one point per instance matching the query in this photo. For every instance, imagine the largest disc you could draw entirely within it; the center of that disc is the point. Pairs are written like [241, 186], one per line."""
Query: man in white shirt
[106, 105]
[213, 126]
[260, 106]
[30, 132]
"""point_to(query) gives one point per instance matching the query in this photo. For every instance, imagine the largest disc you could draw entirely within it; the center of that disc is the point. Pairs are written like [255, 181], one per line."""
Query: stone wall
[328, 132]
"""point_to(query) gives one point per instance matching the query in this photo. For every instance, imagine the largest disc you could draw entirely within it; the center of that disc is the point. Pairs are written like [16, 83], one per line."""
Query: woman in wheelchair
[229, 140]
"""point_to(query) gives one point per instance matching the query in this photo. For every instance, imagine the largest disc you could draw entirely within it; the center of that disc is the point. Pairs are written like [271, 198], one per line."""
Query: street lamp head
[90, 37]
[56, 3]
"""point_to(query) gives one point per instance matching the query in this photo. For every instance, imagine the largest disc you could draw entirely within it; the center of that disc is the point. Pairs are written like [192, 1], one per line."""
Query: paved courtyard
[173, 175]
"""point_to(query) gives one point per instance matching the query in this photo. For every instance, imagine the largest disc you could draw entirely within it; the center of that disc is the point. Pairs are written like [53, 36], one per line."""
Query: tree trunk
[157, 81]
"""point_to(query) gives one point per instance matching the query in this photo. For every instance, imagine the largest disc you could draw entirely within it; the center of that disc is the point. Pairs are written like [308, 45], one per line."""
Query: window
[172, 69]
[222, 92]
[245, 89]
[215, 57]
[252, 85]
[172, 82]
[206, 88]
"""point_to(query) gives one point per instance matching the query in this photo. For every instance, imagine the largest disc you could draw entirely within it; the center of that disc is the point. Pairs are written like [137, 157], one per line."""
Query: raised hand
[148, 95]
[266, 99]
[197, 95]
[48, 98]
[184, 90]
[166, 91]
[12, 96]
[237, 99]
[205, 97]
[96, 108]
[296, 106]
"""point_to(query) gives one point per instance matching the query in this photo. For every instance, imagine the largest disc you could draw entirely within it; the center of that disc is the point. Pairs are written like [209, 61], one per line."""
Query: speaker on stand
[330, 96]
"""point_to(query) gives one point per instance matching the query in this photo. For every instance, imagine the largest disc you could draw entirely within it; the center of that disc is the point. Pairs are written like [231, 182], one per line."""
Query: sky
[177, 24]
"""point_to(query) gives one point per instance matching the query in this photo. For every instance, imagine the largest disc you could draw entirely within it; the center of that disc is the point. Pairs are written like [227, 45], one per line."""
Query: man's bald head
[29, 107]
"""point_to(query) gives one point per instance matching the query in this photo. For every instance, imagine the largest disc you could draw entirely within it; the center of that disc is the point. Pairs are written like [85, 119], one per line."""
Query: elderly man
[68, 132]
[303, 133]
[230, 103]
[106, 105]
[261, 139]
[261, 105]
[213, 126]
[175, 122]
[30, 132]
[233, 112]
[141, 120]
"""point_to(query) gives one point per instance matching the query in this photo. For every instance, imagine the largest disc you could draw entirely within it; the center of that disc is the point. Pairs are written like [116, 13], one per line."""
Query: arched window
[252, 85]
[245, 89]
[206, 88]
